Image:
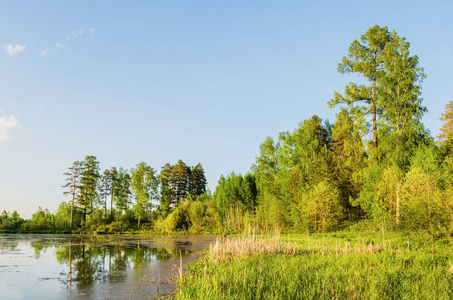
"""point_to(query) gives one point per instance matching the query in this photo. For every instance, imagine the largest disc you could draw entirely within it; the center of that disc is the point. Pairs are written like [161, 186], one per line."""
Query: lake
[34, 266]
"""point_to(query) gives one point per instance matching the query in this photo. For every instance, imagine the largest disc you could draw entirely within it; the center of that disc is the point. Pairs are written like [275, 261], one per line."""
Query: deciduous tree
[446, 132]
[144, 183]
[122, 190]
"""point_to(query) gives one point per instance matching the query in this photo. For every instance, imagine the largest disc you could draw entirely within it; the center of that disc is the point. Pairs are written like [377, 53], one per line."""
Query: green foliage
[386, 205]
[193, 217]
[446, 132]
[106, 187]
[177, 181]
[322, 207]
[422, 206]
[445, 136]
[203, 217]
[11, 221]
[376, 165]
[197, 182]
[392, 97]
[366, 58]
[427, 158]
[73, 186]
[122, 191]
[180, 182]
[42, 220]
[235, 190]
[197, 211]
[206, 197]
[349, 159]
[177, 220]
[286, 170]
[96, 219]
[63, 218]
[401, 86]
[88, 184]
[144, 184]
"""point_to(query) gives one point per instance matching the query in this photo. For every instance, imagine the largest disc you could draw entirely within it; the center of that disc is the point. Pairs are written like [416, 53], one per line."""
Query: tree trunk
[374, 113]
[111, 199]
[72, 207]
[70, 265]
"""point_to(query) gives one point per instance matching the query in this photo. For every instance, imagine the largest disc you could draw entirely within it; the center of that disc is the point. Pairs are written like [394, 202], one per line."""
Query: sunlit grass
[333, 266]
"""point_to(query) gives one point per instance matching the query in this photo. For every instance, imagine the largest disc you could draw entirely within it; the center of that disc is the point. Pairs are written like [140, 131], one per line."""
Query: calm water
[100, 267]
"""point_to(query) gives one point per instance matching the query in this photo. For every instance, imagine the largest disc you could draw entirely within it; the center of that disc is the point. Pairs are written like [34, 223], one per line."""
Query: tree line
[376, 166]
[376, 162]
[139, 194]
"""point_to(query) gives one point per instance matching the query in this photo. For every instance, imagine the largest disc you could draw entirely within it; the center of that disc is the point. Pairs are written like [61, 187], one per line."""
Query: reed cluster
[225, 248]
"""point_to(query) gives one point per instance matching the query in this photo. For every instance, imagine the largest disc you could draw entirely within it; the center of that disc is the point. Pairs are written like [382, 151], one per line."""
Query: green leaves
[394, 83]
[122, 190]
[89, 183]
[446, 132]
[178, 181]
[73, 185]
[322, 206]
[145, 184]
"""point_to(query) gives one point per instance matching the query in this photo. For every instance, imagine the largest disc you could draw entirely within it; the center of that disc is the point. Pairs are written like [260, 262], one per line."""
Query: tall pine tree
[73, 185]
[89, 184]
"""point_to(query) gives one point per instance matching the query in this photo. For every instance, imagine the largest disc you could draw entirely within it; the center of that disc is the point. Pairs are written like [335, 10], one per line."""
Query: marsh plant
[320, 267]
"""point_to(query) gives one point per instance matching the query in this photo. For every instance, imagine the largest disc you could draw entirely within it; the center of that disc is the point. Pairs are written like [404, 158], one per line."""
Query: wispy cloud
[13, 50]
[7, 122]
[80, 31]
[44, 52]
[57, 46]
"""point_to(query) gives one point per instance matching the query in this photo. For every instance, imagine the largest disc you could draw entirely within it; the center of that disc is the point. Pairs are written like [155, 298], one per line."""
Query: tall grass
[320, 267]
[225, 248]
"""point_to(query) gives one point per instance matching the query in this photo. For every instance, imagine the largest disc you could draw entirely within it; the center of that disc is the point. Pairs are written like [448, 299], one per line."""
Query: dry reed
[225, 248]
[180, 266]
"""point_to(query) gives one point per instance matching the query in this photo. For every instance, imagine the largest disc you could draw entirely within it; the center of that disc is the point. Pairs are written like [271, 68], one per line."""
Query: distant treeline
[376, 166]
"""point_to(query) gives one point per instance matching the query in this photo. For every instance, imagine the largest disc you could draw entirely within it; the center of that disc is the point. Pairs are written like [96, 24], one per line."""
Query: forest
[376, 167]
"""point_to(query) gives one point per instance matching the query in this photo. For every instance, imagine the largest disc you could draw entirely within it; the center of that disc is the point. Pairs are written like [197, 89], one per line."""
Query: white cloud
[58, 47]
[80, 31]
[13, 50]
[7, 122]
[44, 52]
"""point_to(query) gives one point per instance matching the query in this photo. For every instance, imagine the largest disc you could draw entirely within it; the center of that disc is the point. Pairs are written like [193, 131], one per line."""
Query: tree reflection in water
[8, 245]
[91, 263]
[95, 267]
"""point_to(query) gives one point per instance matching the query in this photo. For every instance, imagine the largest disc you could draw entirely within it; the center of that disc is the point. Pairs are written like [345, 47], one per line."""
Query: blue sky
[201, 81]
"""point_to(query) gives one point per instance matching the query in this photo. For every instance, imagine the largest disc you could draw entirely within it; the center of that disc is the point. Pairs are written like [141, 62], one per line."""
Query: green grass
[396, 272]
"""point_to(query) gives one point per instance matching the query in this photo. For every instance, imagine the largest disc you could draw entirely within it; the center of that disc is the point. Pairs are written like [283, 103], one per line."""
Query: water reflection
[106, 266]
[7, 245]
[90, 264]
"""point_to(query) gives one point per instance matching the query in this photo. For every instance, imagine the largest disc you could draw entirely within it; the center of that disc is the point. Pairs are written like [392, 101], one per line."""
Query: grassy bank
[334, 266]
